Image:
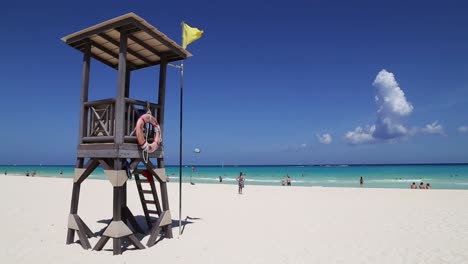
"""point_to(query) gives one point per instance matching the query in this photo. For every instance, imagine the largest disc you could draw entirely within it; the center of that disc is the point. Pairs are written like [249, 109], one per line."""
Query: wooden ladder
[151, 197]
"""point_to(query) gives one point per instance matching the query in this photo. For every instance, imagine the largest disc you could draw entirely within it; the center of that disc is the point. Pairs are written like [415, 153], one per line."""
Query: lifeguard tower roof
[146, 46]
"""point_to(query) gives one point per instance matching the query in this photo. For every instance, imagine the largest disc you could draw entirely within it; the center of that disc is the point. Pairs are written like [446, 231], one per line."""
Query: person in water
[241, 181]
[413, 186]
[288, 180]
[220, 179]
[421, 185]
[428, 186]
[361, 181]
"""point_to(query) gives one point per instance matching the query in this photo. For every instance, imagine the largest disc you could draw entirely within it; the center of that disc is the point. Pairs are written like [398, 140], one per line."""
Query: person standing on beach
[361, 181]
[241, 181]
[288, 181]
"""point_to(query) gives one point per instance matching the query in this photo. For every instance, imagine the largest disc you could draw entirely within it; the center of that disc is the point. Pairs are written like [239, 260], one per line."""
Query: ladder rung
[146, 191]
[152, 212]
[145, 180]
[149, 202]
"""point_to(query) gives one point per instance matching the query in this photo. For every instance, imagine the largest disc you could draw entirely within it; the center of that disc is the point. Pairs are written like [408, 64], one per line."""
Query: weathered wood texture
[107, 128]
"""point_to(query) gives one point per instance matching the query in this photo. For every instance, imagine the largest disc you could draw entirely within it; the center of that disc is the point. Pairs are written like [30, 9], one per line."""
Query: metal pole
[180, 143]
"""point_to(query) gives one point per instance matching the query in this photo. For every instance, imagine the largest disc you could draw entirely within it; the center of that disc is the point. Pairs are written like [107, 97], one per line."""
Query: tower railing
[101, 119]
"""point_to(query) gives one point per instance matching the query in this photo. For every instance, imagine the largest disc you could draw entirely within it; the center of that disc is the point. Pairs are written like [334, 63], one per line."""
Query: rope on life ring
[142, 141]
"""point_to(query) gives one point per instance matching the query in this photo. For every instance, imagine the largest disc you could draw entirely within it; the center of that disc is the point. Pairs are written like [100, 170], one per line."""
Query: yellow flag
[189, 34]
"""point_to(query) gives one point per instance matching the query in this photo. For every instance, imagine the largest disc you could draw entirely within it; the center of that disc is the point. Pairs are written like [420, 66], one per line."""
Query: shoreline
[249, 182]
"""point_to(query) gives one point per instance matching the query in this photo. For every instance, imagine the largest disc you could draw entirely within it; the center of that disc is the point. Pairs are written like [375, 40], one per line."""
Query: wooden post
[120, 132]
[127, 83]
[121, 84]
[84, 92]
[73, 210]
[162, 92]
[162, 103]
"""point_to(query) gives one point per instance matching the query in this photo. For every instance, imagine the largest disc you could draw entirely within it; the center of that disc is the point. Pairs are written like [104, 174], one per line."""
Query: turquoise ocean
[376, 176]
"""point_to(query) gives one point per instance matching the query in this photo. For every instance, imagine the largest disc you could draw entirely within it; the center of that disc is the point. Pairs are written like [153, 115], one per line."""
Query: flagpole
[180, 143]
[180, 133]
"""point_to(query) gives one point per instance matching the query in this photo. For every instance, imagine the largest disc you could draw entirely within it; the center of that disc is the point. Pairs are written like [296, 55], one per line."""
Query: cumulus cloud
[360, 135]
[463, 129]
[392, 107]
[433, 128]
[324, 139]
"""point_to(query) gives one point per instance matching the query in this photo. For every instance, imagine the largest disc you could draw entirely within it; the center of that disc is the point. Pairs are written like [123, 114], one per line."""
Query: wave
[397, 180]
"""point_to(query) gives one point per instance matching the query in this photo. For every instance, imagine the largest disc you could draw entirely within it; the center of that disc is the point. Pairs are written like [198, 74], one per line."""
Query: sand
[267, 224]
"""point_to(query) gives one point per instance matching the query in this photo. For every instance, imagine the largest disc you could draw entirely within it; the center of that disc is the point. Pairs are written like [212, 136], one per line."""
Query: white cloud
[392, 107]
[390, 98]
[434, 128]
[360, 135]
[324, 139]
[463, 129]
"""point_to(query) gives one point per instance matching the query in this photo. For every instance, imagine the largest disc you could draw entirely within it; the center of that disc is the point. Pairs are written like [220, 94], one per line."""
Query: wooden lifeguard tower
[107, 127]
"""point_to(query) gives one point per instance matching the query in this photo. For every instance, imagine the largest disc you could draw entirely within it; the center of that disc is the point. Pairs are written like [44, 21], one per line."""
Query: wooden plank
[154, 233]
[160, 39]
[99, 139]
[105, 164]
[107, 101]
[90, 167]
[98, 153]
[109, 150]
[110, 52]
[130, 218]
[149, 202]
[146, 191]
[140, 103]
[101, 243]
[144, 45]
[120, 23]
[100, 119]
[104, 146]
[88, 231]
[130, 51]
[108, 63]
[82, 233]
[153, 212]
[135, 242]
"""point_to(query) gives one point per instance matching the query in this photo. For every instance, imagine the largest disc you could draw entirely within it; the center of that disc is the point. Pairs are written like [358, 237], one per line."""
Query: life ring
[144, 119]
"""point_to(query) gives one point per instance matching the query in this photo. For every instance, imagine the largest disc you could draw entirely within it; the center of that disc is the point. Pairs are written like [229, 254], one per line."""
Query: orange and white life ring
[144, 119]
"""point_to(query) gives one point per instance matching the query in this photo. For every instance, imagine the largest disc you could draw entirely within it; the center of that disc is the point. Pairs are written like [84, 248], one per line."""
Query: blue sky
[270, 82]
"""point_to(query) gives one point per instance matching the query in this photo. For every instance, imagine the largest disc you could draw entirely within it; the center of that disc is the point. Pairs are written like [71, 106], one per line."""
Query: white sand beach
[264, 225]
